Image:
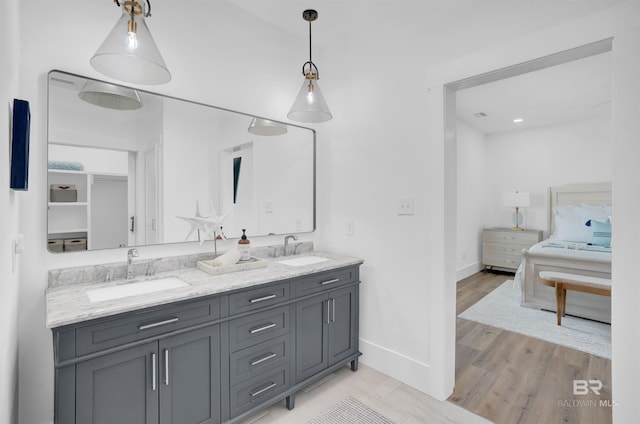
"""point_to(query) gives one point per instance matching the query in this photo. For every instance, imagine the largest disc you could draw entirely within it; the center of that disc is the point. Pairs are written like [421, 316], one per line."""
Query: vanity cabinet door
[343, 325]
[189, 377]
[326, 331]
[118, 388]
[312, 336]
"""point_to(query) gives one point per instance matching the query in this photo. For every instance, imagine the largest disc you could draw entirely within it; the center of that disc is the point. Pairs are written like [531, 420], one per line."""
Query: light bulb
[132, 41]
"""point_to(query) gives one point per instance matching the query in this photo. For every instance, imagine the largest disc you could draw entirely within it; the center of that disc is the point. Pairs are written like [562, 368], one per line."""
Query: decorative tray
[252, 263]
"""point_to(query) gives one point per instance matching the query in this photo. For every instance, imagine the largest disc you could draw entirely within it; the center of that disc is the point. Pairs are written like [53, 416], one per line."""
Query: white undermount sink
[134, 288]
[304, 260]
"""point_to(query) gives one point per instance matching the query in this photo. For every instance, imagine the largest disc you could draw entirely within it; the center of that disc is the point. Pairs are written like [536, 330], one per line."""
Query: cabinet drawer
[128, 328]
[263, 388]
[263, 357]
[503, 261]
[324, 281]
[503, 248]
[258, 298]
[259, 327]
[519, 237]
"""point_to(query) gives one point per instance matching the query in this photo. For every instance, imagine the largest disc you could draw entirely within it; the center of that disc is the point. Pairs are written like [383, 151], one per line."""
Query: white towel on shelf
[230, 257]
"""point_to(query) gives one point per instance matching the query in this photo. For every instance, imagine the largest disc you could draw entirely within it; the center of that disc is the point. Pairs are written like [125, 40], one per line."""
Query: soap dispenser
[244, 247]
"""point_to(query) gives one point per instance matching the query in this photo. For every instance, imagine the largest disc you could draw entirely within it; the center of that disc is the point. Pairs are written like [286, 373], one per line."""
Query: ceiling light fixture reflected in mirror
[129, 53]
[261, 126]
[110, 96]
[309, 105]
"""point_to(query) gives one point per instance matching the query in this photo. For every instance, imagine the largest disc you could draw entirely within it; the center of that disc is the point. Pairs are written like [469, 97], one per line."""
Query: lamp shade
[309, 105]
[516, 199]
[131, 56]
[260, 126]
[110, 96]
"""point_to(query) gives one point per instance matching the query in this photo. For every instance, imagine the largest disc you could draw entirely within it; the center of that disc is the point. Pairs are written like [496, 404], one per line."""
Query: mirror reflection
[130, 168]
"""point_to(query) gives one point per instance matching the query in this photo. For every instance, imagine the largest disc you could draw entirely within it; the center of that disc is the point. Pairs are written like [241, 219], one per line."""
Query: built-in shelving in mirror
[120, 175]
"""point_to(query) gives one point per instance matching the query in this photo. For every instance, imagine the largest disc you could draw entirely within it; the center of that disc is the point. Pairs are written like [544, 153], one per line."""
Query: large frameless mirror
[131, 168]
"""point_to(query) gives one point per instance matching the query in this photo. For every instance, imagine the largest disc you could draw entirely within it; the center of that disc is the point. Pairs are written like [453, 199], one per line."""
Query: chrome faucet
[286, 243]
[132, 253]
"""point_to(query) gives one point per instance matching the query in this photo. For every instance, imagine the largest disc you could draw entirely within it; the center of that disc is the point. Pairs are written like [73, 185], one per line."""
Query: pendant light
[309, 105]
[111, 96]
[261, 126]
[129, 52]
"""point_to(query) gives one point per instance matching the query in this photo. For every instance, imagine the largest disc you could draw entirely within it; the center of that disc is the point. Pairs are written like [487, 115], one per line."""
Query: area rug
[501, 308]
[350, 411]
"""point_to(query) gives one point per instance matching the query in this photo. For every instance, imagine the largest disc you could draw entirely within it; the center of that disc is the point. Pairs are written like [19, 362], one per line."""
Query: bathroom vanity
[218, 349]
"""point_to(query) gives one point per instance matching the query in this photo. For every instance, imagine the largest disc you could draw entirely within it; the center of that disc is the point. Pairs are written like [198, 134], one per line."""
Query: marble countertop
[69, 303]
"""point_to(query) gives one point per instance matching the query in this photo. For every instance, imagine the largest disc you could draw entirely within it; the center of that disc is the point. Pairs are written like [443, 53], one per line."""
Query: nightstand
[502, 247]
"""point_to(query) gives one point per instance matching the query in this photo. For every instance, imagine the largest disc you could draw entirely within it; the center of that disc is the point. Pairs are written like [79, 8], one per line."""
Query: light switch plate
[405, 206]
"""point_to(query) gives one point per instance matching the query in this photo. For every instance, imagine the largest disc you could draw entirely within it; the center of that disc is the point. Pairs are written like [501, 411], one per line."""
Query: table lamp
[516, 200]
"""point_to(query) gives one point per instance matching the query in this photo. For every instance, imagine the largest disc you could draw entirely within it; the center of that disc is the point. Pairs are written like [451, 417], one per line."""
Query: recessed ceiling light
[518, 120]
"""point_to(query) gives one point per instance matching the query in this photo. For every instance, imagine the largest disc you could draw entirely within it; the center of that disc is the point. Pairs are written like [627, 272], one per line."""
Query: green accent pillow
[601, 233]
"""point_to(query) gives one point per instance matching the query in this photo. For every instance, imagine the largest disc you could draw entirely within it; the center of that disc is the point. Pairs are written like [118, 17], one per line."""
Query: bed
[570, 253]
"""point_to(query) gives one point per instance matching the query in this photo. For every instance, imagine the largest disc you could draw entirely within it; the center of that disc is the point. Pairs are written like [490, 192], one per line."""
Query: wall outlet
[405, 206]
[351, 228]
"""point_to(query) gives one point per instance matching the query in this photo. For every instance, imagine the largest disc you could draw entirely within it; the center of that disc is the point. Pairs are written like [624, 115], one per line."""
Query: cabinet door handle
[264, 389]
[333, 310]
[262, 299]
[158, 324]
[259, 329]
[335, 280]
[328, 312]
[154, 372]
[264, 358]
[166, 367]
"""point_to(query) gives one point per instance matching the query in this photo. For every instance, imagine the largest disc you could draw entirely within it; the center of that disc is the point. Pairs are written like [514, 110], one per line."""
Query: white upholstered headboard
[594, 194]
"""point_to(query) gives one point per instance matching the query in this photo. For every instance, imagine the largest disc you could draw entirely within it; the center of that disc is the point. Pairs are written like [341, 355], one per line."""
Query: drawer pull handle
[154, 372]
[264, 358]
[262, 299]
[264, 389]
[259, 329]
[508, 250]
[335, 280]
[158, 324]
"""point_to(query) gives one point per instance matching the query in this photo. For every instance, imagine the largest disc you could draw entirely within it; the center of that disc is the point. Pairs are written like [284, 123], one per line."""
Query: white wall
[534, 160]
[9, 217]
[472, 190]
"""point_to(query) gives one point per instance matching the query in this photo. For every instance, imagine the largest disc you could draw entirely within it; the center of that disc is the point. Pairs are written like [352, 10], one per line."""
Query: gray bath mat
[350, 411]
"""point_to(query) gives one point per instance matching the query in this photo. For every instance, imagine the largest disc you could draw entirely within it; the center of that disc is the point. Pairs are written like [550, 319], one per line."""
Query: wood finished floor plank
[509, 378]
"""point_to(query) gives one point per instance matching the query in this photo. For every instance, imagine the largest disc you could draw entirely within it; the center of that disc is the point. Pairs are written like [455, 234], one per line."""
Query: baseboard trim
[468, 270]
[403, 368]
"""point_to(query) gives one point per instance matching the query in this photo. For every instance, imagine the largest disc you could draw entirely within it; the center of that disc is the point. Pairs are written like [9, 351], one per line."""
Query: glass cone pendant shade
[260, 126]
[309, 105]
[130, 54]
[110, 96]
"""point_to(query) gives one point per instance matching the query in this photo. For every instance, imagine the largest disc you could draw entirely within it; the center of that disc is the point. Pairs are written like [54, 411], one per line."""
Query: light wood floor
[510, 378]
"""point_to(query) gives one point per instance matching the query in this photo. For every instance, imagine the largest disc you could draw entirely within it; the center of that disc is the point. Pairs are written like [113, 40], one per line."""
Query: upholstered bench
[582, 283]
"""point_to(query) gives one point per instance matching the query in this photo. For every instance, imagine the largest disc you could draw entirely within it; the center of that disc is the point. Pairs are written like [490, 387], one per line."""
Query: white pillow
[572, 229]
[570, 221]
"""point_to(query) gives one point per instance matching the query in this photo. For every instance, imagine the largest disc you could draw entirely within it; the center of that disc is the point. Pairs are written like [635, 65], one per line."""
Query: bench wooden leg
[561, 300]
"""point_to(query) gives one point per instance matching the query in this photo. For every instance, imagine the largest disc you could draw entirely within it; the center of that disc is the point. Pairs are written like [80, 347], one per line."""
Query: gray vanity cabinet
[212, 359]
[173, 380]
[326, 331]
